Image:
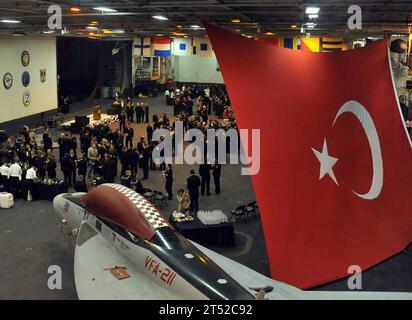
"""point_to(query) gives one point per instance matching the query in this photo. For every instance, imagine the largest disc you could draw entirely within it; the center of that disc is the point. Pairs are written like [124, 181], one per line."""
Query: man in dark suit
[66, 169]
[130, 112]
[64, 145]
[73, 160]
[85, 141]
[204, 171]
[4, 155]
[98, 180]
[133, 159]
[141, 145]
[47, 141]
[169, 181]
[139, 112]
[217, 169]
[193, 184]
[149, 131]
[126, 178]
[39, 162]
[129, 133]
[109, 169]
[155, 121]
[81, 165]
[80, 185]
[122, 122]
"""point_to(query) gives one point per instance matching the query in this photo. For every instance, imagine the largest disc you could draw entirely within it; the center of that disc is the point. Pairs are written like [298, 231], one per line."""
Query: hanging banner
[336, 159]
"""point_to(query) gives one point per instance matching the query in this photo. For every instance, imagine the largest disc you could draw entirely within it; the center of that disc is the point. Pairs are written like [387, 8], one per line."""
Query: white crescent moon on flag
[360, 112]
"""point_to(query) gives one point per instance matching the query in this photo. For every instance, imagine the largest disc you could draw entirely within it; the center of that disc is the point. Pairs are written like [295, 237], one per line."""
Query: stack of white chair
[212, 217]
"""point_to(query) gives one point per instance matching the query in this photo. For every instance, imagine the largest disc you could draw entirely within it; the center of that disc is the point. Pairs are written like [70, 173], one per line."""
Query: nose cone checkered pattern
[152, 215]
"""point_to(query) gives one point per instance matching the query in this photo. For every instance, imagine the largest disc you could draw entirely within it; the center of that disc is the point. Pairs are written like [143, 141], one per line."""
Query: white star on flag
[326, 162]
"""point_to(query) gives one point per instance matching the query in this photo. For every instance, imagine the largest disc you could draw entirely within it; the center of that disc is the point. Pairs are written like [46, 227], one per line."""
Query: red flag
[272, 41]
[336, 170]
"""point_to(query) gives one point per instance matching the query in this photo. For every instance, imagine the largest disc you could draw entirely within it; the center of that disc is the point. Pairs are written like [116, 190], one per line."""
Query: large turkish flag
[336, 163]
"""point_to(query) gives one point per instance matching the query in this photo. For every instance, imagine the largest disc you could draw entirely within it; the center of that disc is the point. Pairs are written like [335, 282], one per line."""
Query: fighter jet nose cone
[58, 204]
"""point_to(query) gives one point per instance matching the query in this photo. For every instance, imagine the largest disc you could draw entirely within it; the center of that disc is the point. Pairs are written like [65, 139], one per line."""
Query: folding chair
[251, 209]
[148, 194]
[238, 212]
[159, 198]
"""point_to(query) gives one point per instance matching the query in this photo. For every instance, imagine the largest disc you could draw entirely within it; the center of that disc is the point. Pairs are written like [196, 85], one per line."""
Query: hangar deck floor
[30, 239]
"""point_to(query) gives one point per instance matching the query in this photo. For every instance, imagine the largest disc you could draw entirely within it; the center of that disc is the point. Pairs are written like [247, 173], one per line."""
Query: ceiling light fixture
[294, 26]
[313, 16]
[179, 26]
[160, 17]
[179, 34]
[104, 9]
[195, 26]
[94, 23]
[235, 20]
[269, 33]
[10, 21]
[75, 9]
[312, 10]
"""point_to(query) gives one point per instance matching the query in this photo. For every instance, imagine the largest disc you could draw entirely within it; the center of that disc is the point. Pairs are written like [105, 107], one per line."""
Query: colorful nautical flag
[142, 47]
[162, 47]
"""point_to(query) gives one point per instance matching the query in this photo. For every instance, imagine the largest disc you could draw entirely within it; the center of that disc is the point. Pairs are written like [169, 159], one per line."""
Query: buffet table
[104, 119]
[48, 192]
[220, 235]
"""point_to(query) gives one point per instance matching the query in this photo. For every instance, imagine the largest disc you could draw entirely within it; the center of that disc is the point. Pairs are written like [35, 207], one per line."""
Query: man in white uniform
[4, 175]
[15, 178]
[31, 175]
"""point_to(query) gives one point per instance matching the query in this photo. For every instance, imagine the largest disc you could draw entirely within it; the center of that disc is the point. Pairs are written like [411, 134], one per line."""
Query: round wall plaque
[25, 58]
[8, 80]
[25, 79]
[26, 98]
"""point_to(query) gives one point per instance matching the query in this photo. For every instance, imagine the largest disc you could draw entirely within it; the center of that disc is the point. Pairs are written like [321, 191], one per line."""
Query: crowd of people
[209, 99]
[23, 160]
[93, 157]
